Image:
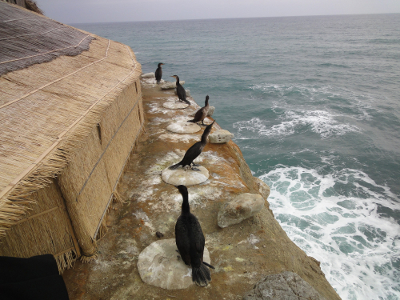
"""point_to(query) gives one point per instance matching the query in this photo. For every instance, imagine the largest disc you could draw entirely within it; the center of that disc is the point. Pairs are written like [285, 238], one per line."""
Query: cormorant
[194, 151]
[180, 90]
[190, 241]
[158, 73]
[201, 114]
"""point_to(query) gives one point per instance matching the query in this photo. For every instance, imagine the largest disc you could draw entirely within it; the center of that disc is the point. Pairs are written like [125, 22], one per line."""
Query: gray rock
[211, 110]
[242, 207]
[220, 136]
[283, 286]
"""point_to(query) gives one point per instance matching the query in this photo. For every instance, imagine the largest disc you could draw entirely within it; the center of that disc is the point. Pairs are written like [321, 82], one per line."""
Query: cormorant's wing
[181, 92]
[191, 154]
[200, 240]
[158, 73]
[199, 114]
[182, 240]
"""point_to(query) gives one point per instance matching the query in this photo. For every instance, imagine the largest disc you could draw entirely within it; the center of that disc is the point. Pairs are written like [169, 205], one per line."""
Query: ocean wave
[358, 105]
[334, 218]
[295, 122]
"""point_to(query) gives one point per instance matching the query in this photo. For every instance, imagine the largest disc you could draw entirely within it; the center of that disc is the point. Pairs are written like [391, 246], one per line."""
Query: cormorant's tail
[201, 276]
[193, 121]
[210, 266]
[186, 101]
[174, 167]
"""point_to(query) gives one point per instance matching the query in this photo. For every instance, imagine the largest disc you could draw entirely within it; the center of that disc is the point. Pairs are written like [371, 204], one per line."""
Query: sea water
[314, 103]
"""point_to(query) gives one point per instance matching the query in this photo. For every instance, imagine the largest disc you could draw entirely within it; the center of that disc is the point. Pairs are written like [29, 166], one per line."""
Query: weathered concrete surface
[240, 208]
[182, 176]
[175, 105]
[242, 254]
[283, 286]
[158, 265]
[183, 127]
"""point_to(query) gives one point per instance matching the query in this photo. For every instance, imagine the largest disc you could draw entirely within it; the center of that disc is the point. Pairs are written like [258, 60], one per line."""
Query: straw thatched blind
[27, 38]
[67, 128]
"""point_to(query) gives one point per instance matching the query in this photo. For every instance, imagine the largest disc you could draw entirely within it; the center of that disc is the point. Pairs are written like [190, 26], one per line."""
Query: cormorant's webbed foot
[195, 165]
[195, 169]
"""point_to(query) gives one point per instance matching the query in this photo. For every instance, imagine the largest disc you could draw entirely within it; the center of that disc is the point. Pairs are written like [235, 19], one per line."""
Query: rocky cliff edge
[242, 254]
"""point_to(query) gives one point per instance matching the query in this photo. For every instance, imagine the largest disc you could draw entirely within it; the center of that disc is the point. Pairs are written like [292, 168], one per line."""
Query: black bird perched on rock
[194, 151]
[180, 90]
[158, 73]
[201, 114]
[190, 241]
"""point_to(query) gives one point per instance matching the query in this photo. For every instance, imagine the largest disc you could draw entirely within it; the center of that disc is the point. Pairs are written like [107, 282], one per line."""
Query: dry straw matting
[67, 128]
[27, 38]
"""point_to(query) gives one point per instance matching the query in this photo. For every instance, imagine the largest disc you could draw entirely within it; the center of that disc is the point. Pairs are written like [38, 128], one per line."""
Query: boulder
[240, 208]
[188, 177]
[220, 136]
[158, 265]
[211, 110]
[283, 286]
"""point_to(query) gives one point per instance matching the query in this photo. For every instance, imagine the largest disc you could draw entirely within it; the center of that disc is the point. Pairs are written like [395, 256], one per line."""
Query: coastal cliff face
[242, 254]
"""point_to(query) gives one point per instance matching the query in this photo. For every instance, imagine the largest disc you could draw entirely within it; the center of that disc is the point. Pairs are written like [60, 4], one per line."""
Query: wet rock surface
[284, 286]
[159, 265]
[242, 254]
[241, 208]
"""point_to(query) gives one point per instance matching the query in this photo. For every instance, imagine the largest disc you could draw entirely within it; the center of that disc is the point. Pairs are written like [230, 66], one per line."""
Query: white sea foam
[335, 219]
[292, 122]
[360, 105]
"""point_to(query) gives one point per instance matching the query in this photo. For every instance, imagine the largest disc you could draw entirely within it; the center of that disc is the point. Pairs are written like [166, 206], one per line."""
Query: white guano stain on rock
[183, 127]
[158, 265]
[188, 177]
[181, 138]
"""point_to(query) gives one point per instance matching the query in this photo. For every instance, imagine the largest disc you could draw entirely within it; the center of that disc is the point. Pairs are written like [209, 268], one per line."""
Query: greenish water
[314, 103]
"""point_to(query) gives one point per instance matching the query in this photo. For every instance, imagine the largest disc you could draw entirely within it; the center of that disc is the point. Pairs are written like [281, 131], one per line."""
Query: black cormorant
[158, 73]
[180, 90]
[201, 114]
[194, 151]
[190, 241]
